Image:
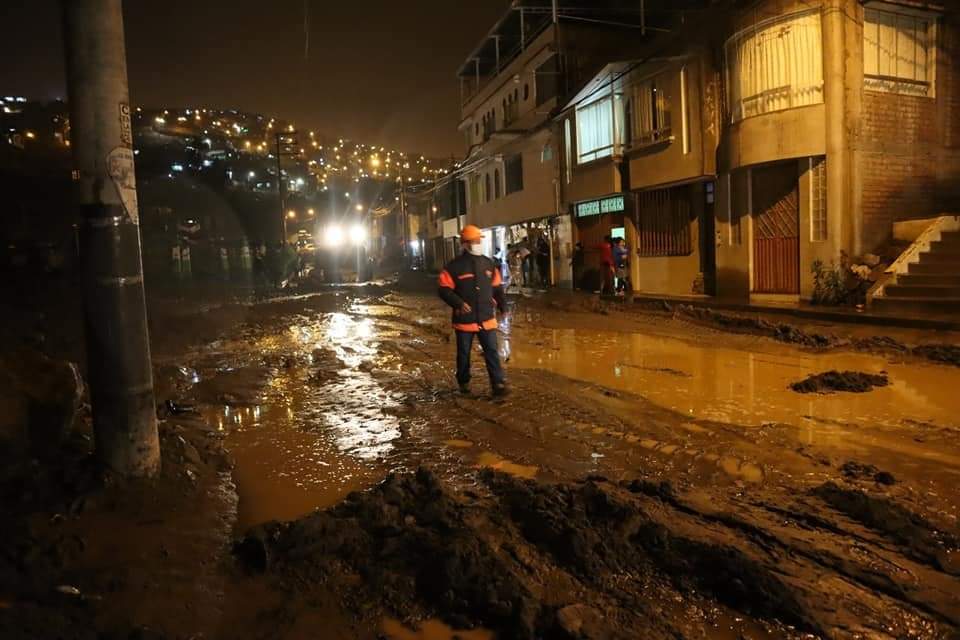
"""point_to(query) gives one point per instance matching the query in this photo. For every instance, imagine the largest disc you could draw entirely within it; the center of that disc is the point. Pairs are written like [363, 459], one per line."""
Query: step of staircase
[922, 291]
[946, 279]
[941, 257]
[905, 304]
[932, 269]
[949, 245]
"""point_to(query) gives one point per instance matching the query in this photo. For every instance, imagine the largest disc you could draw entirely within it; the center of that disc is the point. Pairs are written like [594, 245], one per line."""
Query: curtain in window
[896, 51]
[651, 112]
[595, 131]
[775, 65]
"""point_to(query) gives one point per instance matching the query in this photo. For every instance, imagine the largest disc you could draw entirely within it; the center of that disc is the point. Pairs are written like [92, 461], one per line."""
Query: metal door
[776, 229]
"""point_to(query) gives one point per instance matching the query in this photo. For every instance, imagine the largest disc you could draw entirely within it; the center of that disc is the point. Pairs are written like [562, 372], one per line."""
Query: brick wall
[899, 136]
[909, 150]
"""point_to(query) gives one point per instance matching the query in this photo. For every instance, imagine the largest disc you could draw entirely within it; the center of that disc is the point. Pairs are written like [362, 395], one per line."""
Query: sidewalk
[808, 311]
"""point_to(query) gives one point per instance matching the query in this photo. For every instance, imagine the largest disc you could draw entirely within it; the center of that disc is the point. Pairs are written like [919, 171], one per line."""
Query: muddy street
[729, 502]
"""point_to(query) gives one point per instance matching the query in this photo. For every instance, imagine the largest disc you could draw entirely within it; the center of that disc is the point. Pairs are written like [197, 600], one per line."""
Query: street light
[359, 207]
[291, 214]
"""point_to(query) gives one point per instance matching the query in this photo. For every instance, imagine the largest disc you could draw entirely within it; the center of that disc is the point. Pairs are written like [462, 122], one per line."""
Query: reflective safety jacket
[475, 280]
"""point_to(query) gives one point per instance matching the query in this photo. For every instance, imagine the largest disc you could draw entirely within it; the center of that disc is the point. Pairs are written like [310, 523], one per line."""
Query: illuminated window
[775, 65]
[595, 130]
[818, 199]
[898, 51]
[650, 112]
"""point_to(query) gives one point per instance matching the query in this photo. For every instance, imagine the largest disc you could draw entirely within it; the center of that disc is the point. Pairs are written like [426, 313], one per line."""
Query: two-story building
[639, 160]
[512, 85]
[792, 131]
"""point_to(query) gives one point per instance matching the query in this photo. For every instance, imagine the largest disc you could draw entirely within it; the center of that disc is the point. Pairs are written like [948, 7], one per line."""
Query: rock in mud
[831, 381]
[858, 471]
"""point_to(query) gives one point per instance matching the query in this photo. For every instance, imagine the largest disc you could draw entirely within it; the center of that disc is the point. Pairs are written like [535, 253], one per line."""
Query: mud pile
[590, 559]
[779, 331]
[831, 381]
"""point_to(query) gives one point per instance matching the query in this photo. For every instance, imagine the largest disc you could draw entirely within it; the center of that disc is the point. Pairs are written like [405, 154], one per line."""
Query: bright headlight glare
[333, 236]
[357, 234]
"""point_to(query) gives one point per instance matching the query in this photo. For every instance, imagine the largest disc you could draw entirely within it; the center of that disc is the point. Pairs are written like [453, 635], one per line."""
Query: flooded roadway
[319, 396]
[333, 392]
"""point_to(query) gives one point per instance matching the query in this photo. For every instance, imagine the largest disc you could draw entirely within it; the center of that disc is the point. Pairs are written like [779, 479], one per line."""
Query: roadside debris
[831, 381]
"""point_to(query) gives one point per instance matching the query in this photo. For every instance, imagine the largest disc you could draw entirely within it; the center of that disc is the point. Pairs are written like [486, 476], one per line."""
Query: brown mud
[831, 381]
[600, 559]
[644, 479]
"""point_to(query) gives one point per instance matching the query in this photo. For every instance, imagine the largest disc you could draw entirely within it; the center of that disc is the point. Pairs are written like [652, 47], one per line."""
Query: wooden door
[776, 229]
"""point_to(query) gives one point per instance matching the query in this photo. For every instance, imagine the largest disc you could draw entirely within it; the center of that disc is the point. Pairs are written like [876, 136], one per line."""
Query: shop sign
[613, 204]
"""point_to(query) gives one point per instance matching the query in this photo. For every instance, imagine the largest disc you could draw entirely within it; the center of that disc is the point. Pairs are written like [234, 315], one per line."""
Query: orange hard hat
[471, 233]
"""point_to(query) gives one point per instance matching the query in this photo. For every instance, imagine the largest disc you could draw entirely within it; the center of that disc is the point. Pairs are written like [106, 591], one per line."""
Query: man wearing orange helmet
[471, 284]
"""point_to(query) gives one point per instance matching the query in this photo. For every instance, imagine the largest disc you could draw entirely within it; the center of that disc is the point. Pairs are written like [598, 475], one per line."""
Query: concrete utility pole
[115, 315]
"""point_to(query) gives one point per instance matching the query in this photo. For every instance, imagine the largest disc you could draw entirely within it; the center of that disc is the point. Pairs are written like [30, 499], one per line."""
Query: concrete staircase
[932, 283]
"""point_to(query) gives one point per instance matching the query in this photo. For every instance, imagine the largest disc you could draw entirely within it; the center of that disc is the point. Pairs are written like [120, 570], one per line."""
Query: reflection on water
[321, 428]
[725, 384]
[493, 461]
[431, 630]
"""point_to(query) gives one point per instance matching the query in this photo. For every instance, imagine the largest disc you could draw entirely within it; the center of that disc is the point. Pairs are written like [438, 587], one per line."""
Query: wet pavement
[323, 395]
[331, 397]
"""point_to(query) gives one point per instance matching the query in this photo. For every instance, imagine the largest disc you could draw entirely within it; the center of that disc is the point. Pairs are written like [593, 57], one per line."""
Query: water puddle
[497, 463]
[725, 384]
[316, 426]
[431, 630]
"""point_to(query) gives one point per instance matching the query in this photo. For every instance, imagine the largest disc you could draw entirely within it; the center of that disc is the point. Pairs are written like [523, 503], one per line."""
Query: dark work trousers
[488, 342]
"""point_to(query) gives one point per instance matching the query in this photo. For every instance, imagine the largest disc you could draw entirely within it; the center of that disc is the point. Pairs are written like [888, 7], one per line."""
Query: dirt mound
[925, 542]
[779, 331]
[943, 353]
[524, 559]
[830, 381]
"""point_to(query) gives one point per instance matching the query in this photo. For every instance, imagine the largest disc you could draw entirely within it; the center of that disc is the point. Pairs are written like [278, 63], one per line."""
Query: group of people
[529, 263]
[614, 265]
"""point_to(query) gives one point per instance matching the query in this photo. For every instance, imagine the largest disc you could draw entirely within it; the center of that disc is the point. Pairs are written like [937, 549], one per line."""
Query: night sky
[380, 71]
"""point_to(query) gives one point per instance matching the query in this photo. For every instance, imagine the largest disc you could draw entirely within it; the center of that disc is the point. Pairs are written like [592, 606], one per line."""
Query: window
[663, 222]
[475, 193]
[818, 199]
[650, 111]
[738, 204]
[898, 52]
[548, 80]
[595, 130]
[513, 173]
[526, 91]
[476, 129]
[775, 65]
[567, 151]
[486, 187]
[684, 115]
[496, 184]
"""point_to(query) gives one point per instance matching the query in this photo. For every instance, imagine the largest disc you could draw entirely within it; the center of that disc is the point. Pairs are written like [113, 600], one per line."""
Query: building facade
[793, 131]
[512, 85]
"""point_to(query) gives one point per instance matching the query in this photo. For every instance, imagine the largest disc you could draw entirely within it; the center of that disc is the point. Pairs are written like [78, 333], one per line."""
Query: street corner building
[733, 145]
